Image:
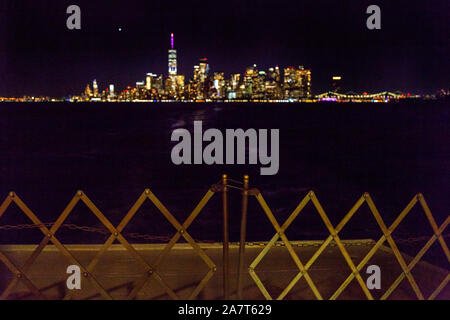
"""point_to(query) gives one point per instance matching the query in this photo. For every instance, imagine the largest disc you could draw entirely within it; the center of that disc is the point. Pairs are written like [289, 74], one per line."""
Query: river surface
[114, 151]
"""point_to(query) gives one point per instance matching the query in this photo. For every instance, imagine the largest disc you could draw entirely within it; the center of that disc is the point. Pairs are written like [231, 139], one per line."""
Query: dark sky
[39, 56]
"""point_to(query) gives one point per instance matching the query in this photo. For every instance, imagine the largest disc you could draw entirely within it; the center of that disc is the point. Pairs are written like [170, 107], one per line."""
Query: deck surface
[183, 269]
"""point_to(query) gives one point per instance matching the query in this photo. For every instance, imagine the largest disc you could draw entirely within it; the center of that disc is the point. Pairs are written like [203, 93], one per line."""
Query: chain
[102, 231]
[149, 237]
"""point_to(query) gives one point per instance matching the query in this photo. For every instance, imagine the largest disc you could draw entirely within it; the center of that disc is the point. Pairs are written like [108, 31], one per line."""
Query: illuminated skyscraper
[297, 82]
[148, 82]
[180, 86]
[95, 86]
[274, 74]
[219, 85]
[172, 68]
[305, 75]
[88, 91]
[260, 82]
[203, 87]
[196, 73]
[192, 87]
[250, 81]
[169, 86]
[140, 85]
[235, 80]
[172, 59]
[157, 83]
[232, 86]
[272, 86]
[203, 69]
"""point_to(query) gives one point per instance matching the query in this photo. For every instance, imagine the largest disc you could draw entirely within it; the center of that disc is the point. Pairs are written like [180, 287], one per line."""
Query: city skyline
[117, 41]
[288, 84]
[206, 84]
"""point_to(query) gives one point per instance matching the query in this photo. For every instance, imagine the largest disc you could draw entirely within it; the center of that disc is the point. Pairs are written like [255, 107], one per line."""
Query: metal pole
[226, 269]
[242, 239]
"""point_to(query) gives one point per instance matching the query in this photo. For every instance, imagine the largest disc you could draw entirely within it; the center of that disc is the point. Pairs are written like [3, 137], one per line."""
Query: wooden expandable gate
[225, 186]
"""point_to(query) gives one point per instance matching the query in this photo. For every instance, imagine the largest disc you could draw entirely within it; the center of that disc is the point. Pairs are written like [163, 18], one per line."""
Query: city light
[292, 84]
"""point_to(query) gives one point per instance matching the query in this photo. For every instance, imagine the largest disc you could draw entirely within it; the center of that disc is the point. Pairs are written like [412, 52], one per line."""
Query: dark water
[114, 151]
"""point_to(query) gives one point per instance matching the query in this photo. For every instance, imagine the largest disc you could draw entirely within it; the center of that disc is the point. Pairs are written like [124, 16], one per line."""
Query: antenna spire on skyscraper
[171, 40]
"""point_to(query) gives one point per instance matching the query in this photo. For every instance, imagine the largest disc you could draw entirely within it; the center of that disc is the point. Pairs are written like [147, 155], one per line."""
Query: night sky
[39, 56]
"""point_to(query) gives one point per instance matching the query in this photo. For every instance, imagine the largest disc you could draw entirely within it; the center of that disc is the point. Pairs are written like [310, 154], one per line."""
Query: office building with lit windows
[297, 83]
